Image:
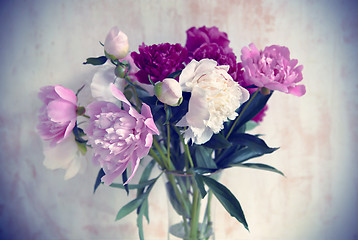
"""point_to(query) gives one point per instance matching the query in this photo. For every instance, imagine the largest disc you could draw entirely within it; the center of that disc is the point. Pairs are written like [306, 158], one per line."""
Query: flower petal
[66, 94]
[61, 111]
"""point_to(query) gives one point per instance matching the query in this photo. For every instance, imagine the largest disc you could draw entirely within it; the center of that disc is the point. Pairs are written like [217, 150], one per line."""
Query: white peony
[100, 86]
[215, 96]
[65, 155]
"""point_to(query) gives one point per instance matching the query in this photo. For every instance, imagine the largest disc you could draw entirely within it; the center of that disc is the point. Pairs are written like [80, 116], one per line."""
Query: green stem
[243, 110]
[156, 158]
[194, 222]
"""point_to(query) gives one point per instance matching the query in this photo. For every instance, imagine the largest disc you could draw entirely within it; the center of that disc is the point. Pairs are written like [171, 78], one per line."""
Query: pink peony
[272, 68]
[58, 114]
[119, 136]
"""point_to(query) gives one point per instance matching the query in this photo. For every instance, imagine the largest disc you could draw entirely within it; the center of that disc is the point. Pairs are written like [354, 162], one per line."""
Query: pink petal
[298, 90]
[66, 94]
[61, 111]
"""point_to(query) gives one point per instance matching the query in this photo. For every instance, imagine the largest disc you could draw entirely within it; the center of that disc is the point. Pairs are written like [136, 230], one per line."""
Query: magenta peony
[198, 36]
[119, 136]
[272, 68]
[158, 61]
[58, 114]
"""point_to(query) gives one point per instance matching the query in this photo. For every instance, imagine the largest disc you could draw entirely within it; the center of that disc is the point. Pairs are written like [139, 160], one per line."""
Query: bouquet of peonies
[187, 107]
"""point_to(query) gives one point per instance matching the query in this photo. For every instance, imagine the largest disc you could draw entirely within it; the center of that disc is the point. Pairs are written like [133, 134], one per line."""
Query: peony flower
[214, 98]
[217, 53]
[272, 68]
[169, 92]
[198, 36]
[58, 114]
[116, 44]
[65, 155]
[101, 82]
[119, 136]
[158, 61]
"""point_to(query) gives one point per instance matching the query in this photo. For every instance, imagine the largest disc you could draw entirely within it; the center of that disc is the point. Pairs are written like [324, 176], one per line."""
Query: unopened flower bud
[169, 92]
[265, 91]
[116, 44]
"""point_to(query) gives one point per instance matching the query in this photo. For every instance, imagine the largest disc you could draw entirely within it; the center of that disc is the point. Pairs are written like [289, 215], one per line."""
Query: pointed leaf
[200, 183]
[129, 207]
[96, 60]
[98, 179]
[261, 167]
[124, 179]
[256, 104]
[217, 141]
[227, 199]
[203, 158]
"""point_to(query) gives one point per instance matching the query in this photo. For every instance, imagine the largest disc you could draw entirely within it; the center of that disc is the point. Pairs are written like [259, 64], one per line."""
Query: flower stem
[243, 110]
[195, 213]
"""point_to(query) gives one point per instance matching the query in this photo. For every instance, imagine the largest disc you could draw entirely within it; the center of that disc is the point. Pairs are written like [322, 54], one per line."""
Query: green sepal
[96, 60]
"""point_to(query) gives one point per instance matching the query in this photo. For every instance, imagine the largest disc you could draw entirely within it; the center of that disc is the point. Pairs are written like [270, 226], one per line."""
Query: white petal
[100, 86]
[187, 75]
[198, 111]
[61, 154]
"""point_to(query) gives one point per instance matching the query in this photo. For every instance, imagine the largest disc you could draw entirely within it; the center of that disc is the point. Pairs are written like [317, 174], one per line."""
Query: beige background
[45, 43]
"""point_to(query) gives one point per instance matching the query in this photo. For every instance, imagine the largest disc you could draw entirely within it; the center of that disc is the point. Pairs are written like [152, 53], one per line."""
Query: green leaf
[134, 204]
[96, 60]
[217, 141]
[140, 220]
[250, 125]
[145, 176]
[261, 167]
[98, 179]
[130, 207]
[124, 179]
[227, 199]
[200, 183]
[248, 146]
[255, 106]
[203, 158]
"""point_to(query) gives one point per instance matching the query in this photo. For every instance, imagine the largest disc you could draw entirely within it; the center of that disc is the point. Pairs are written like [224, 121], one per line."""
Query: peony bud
[169, 92]
[116, 44]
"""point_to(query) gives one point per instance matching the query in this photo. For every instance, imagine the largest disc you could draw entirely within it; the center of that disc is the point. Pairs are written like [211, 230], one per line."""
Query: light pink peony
[58, 114]
[119, 136]
[272, 68]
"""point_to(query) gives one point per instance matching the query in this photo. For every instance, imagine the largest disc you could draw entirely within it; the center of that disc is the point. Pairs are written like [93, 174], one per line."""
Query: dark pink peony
[119, 136]
[58, 114]
[198, 36]
[158, 61]
[272, 68]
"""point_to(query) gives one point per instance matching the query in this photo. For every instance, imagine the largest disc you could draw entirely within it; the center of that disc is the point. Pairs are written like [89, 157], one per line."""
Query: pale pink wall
[45, 42]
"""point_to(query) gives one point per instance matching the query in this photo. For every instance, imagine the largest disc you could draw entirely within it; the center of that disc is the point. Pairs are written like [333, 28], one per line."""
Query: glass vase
[189, 216]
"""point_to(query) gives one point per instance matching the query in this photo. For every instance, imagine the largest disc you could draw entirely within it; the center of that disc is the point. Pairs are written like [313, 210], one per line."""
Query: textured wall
[45, 42]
